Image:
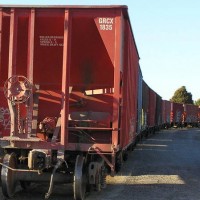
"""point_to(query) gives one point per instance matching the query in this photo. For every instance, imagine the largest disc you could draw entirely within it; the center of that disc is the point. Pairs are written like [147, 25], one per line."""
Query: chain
[18, 120]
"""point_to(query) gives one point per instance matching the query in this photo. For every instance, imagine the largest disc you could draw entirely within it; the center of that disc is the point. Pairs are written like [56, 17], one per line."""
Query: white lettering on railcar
[51, 41]
[106, 20]
[106, 24]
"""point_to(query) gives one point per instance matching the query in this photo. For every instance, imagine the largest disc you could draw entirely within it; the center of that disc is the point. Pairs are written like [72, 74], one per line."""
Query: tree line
[181, 95]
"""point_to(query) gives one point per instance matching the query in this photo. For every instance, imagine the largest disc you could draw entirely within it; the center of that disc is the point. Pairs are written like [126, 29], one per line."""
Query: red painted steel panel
[152, 108]
[166, 111]
[177, 111]
[130, 89]
[85, 63]
[4, 46]
[158, 112]
[64, 138]
[191, 113]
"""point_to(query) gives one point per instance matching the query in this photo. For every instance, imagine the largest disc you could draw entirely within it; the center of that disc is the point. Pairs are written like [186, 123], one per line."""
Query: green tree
[197, 102]
[182, 96]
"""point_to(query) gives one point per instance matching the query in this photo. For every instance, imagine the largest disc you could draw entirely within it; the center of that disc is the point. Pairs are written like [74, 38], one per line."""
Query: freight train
[73, 99]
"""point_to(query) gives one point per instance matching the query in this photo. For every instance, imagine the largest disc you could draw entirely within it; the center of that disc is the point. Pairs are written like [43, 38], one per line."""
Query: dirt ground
[166, 166]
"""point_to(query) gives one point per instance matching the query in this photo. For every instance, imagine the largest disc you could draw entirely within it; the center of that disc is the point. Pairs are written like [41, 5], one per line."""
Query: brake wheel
[17, 89]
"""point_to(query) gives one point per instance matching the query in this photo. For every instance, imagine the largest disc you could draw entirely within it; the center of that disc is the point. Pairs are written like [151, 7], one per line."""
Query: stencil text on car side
[106, 24]
[51, 41]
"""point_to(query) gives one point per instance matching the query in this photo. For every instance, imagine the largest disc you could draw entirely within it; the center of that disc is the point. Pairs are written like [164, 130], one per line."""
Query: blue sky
[167, 35]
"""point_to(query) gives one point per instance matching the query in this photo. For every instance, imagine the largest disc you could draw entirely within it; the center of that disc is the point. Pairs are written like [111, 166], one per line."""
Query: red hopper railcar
[70, 76]
[177, 114]
[191, 115]
[166, 113]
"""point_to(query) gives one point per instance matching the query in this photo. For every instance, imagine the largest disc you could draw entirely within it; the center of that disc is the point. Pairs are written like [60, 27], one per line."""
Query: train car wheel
[8, 176]
[80, 178]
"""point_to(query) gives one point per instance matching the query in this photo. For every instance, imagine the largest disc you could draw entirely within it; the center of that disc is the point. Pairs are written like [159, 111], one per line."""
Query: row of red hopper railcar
[158, 113]
[73, 100]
